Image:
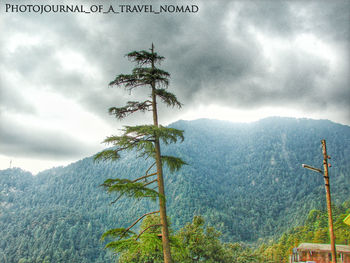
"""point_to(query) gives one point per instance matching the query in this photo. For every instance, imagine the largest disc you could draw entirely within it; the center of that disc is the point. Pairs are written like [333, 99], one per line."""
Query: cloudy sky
[234, 60]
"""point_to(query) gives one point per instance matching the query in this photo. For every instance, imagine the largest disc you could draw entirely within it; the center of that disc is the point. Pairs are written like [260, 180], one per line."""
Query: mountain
[246, 180]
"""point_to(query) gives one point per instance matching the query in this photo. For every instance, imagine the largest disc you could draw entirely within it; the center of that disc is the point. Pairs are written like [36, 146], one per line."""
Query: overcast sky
[233, 60]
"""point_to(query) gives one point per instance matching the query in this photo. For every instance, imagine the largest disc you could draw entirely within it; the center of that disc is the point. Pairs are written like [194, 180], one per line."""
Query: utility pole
[328, 196]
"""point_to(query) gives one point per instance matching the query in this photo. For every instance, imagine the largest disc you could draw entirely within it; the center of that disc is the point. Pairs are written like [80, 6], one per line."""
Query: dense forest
[314, 230]
[243, 180]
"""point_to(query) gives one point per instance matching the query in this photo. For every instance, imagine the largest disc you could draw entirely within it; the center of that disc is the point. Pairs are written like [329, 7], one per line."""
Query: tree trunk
[162, 201]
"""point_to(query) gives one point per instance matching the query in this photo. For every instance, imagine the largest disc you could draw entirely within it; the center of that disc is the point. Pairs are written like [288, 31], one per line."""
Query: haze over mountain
[245, 179]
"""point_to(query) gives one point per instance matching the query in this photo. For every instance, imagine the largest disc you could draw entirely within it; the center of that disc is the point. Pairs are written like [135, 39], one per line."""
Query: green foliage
[144, 57]
[200, 244]
[193, 243]
[145, 140]
[131, 107]
[129, 188]
[246, 180]
[173, 163]
[146, 247]
[107, 155]
[315, 230]
[241, 254]
[142, 77]
[117, 233]
[141, 139]
[168, 98]
[119, 246]
[48, 217]
[248, 177]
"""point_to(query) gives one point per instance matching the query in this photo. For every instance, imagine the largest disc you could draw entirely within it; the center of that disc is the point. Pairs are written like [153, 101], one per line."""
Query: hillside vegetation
[245, 180]
[315, 230]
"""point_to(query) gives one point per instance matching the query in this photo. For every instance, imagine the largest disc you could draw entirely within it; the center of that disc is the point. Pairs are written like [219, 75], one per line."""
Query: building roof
[322, 247]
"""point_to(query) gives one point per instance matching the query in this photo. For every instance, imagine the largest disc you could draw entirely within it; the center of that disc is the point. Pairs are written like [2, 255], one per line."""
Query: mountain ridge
[245, 179]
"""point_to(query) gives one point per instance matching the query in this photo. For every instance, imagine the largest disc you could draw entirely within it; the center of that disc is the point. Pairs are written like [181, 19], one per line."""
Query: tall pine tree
[145, 139]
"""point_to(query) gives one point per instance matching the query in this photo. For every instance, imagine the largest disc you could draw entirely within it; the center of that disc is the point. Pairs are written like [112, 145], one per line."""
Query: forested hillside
[246, 180]
[314, 230]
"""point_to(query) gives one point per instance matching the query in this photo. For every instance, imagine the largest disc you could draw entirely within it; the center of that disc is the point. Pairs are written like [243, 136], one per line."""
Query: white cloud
[234, 60]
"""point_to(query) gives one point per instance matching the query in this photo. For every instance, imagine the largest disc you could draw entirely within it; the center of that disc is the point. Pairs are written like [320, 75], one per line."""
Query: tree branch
[144, 57]
[143, 231]
[131, 107]
[133, 224]
[138, 179]
[150, 167]
[117, 199]
[168, 98]
[143, 177]
[151, 182]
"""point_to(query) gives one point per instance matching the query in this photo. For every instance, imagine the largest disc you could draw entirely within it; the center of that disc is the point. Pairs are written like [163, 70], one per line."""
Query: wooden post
[328, 197]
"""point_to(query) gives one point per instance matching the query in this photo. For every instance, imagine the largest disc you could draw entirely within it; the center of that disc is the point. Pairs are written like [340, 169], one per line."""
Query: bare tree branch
[143, 177]
[151, 182]
[117, 199]
[150, 167]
